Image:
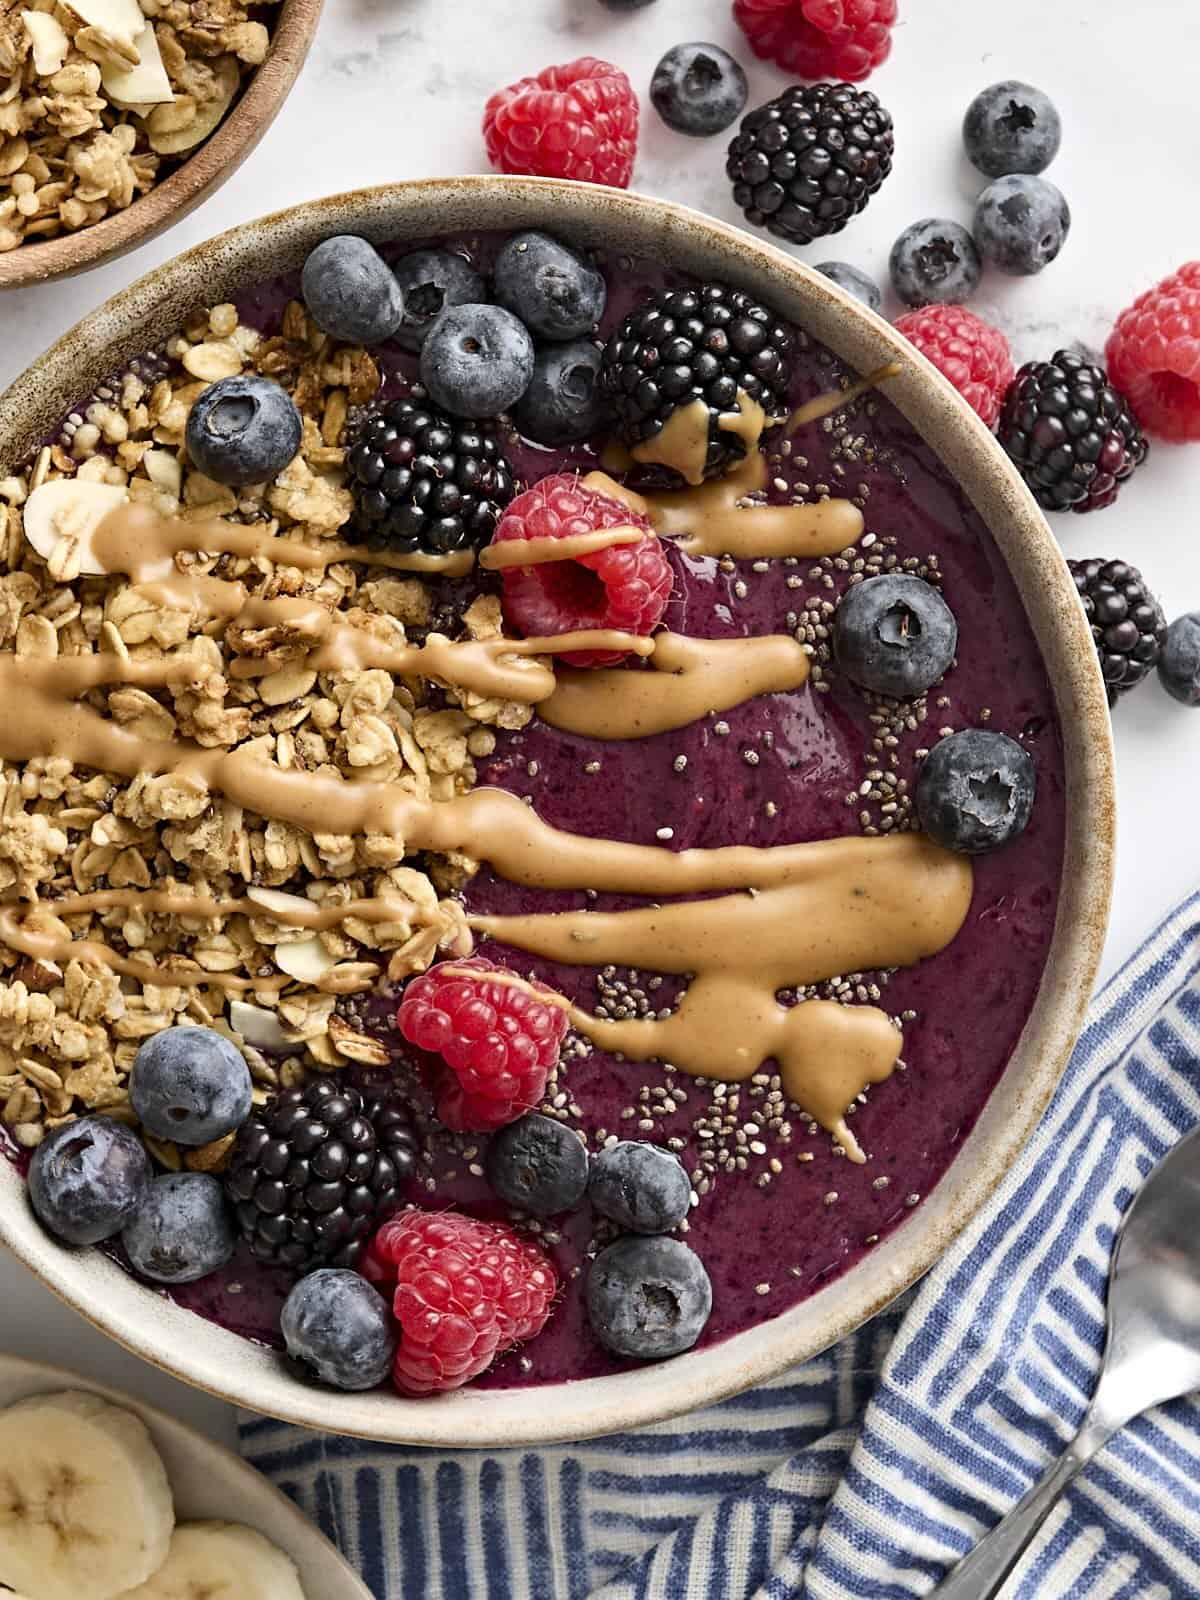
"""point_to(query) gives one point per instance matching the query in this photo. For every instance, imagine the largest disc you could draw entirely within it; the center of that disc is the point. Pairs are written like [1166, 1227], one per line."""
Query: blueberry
[641, 1186]
[476, 361]
[1011, 127]
[539, 1165]
[853, 282]
[181, 1231]
[190, 1085]
[339, 1329]
[243, 430]
[554, 291]
[431, 280]
[935, 262]
[975, 791]
[563, 402]
[894, 635]
[698, 89]
[648, 1297]
[87, 1178]
[1179, 663]
[1021, 224]
[350, 292]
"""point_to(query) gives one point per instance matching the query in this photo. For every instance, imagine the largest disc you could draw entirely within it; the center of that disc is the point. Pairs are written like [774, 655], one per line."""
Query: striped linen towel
[871, 1470]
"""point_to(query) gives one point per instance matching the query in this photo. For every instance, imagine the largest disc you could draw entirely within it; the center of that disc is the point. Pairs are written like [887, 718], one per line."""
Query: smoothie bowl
[558, 822]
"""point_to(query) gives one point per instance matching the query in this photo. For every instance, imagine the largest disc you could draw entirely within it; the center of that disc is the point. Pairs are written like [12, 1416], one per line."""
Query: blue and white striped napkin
[871, 1470]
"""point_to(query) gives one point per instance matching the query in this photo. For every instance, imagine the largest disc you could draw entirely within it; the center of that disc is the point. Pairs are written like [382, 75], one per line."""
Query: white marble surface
[395, 88]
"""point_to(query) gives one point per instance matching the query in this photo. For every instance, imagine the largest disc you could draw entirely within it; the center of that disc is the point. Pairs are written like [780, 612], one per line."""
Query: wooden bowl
[215, 1359]
[216, 159]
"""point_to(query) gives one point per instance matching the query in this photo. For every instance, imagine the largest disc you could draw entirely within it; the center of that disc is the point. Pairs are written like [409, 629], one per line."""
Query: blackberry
[1128, 623]
[695, 344]
[423, 480]
[806, 162]
[313, 1170]
[1071, 434]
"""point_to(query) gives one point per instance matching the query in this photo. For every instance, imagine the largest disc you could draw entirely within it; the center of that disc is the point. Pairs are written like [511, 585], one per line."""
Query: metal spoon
[1153, 1354]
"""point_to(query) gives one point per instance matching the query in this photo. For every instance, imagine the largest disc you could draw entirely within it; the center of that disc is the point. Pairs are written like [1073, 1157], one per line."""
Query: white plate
[208, 1482]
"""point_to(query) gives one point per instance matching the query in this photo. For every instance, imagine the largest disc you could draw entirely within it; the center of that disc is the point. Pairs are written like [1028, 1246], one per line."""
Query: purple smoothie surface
[768, 1238]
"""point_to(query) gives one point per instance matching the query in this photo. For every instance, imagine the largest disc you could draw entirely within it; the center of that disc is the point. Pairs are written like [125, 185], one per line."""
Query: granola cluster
[80, 136]
[68, 1035]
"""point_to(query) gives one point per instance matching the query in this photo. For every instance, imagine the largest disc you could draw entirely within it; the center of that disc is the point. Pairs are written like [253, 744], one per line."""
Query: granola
[100, 99]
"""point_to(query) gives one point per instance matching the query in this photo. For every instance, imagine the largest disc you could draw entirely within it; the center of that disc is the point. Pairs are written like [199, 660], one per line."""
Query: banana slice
[221, 1561]
[85, 1506]
[70, 508]
[169, 140]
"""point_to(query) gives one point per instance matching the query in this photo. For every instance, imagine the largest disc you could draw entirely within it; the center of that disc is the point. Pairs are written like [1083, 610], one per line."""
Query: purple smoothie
[782, 1210]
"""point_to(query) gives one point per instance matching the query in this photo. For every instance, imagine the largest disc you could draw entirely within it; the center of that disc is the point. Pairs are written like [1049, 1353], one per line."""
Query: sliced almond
[122, 18]
[49, 41]
[70, 508]
[289, 908]
[257, 1026]
[173, 142]
[307, 962]
[146, 84]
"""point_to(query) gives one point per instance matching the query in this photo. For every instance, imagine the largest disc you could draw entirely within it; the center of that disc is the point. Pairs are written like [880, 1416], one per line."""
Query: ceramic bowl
[219, 1361]
[193, 180]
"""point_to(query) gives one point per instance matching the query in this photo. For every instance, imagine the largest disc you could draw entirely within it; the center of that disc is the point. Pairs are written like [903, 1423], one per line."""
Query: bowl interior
[194, 179]
[217, 1360]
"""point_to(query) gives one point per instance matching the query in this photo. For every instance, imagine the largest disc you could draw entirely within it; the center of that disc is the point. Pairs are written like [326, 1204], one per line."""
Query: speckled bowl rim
[224, 1364]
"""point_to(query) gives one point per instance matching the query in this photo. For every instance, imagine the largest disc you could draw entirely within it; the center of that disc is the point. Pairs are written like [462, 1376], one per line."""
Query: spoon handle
[981, 1574]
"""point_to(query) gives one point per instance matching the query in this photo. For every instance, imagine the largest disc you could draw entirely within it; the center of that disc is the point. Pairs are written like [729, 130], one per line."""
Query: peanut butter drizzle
[690, 678]
[508, 980]
[824, 405]
[537, 552]
[142, 543]
[708, 520]
[681, 443]
[853, 905]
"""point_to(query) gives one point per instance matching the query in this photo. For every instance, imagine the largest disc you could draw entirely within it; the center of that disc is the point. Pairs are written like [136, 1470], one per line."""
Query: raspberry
[579, 121]
[499, 1042]
[844, 39]
[626, 586]
[970, 352]
[462, 1291]
[1153, 355]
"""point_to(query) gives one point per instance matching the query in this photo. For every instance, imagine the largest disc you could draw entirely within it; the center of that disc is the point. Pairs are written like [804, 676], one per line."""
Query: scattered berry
[538, 1165]
[972, 354]
[430, 282]
[698, 89]
[243, 430]
[555, 291]
[1153, 355]
[499, 1042]
[579, 120]
[625, 587]
[808, 161]
[642, 1187]
[476, 360]
[934, 262]
[338, 1329]
[894, 635]
[854, 282]
[190, 1085]
[87, 1178]
[648, 1298]
[350, 291]
[1011, 127]
[1071, 434]
[704, 344]
[1127, 622]
[1021, 224]
[819, 38]
[182, 1229]
[1179, 663]
[975, 791]
[314, 1168]
[563, 403]
[462, 1291]
[423, 480]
